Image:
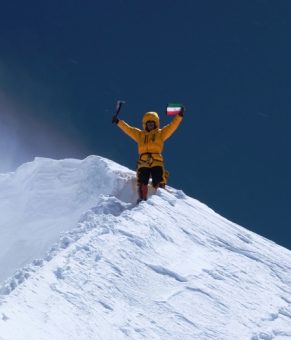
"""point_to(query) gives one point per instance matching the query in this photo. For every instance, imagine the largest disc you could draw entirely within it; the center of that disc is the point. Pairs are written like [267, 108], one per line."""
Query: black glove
[181, 113]
[115, 119]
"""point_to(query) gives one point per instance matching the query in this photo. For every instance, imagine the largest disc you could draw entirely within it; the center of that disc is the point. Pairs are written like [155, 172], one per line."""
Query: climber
[150, 142]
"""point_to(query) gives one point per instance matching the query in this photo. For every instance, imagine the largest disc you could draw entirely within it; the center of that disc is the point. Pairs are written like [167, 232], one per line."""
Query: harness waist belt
[150, 155]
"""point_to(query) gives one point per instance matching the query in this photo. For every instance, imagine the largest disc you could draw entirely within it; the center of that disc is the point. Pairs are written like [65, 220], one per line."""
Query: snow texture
[80, 260]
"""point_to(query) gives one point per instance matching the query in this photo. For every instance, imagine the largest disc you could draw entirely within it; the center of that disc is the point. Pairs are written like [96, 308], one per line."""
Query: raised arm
[129, 130]
[169, 129]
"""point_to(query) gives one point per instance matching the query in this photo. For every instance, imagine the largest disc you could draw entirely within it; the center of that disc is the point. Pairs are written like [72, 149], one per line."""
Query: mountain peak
[168, 268]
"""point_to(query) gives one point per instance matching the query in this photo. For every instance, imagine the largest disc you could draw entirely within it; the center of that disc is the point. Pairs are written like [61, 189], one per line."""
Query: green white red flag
[174, 109]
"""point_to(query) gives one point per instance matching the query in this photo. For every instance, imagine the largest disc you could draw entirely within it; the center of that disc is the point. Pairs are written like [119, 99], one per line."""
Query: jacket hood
[151, 116]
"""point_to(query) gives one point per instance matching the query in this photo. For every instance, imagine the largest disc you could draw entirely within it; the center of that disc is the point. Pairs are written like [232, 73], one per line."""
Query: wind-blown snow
[169, 268]
[46, 197]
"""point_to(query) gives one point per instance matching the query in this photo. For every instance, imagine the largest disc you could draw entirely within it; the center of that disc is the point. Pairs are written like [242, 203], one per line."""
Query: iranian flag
[174, 109]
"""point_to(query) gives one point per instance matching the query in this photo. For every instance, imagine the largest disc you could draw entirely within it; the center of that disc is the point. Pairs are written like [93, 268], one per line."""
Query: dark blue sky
[63, 64]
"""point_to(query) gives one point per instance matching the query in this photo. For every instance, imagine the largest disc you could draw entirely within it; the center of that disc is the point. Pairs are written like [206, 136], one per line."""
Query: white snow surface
[80, 260]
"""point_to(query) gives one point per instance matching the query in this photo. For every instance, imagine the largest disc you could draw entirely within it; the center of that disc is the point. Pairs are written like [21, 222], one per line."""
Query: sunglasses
[150, 122]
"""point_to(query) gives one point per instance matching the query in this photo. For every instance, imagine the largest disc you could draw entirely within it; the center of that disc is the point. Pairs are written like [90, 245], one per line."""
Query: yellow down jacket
[150, 143]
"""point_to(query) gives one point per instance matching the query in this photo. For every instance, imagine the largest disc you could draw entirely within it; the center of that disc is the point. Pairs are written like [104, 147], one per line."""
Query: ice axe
[119, 104]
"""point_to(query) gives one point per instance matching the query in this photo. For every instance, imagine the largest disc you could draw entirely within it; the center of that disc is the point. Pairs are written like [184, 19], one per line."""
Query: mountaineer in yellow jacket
[150, 142]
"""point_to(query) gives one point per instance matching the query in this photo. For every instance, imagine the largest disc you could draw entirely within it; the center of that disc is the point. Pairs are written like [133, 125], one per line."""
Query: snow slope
[46, 197]
[169, 268]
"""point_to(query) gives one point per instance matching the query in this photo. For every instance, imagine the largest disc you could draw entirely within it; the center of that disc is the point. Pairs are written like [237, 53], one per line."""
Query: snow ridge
[169, 268]
[93, 171]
